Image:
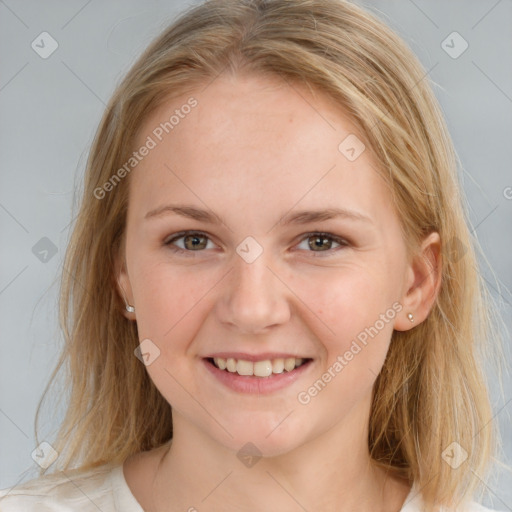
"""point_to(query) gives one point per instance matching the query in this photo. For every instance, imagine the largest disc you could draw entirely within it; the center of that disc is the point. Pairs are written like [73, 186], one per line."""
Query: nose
[254, 298]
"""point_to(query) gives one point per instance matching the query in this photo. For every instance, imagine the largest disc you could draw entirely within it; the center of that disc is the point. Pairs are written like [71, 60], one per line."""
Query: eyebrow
[296, 218]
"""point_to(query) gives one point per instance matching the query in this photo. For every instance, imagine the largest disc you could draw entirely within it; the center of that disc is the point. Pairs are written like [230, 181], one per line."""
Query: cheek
[170, 312]
[168, 299]
[337, 305]
[352, 314]
[345, 300]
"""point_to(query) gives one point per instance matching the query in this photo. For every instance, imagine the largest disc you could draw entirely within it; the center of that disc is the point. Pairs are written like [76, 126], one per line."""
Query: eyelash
[343, 243]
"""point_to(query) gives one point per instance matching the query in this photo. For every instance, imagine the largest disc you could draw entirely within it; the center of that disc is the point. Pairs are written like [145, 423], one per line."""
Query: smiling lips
[263, 368]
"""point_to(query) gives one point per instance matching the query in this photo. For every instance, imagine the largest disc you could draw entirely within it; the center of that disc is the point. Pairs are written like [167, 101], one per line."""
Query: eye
[193, 241]
[323, 242]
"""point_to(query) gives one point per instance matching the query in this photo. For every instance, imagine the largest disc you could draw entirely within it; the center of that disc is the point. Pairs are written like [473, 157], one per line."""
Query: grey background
[50, 109]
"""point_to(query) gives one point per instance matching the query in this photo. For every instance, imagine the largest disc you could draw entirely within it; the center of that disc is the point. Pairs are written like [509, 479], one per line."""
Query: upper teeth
[258, 368]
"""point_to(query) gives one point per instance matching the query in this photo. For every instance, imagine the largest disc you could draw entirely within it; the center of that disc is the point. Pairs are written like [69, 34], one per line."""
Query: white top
[105, 488]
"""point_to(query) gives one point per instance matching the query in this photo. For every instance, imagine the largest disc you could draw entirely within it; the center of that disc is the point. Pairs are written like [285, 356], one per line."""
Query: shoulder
[476, 507]
[414, 503]
[70, 490]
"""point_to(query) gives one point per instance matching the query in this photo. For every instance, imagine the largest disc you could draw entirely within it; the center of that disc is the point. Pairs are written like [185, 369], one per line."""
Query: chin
[264, 438]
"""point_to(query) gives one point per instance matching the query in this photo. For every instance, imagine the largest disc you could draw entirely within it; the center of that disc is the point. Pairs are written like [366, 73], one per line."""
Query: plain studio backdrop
[52, 95]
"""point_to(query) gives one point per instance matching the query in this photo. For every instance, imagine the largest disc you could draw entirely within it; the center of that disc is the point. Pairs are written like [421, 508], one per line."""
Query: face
[254, 279]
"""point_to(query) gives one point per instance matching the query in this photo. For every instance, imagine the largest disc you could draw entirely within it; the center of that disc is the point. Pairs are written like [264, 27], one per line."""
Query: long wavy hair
[432, 389]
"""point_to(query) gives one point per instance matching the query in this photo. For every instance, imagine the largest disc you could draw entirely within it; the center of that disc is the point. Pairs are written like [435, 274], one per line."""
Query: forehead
[251, 138]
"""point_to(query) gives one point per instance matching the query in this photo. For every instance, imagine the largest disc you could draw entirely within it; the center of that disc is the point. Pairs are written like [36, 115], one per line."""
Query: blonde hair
[431, 390]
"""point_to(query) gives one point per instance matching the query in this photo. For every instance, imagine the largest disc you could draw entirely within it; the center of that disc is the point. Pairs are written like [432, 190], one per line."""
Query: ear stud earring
[128, 307]
[410, 316]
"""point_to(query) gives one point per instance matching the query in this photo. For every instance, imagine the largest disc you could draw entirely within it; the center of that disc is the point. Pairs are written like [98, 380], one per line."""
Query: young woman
[271, 299]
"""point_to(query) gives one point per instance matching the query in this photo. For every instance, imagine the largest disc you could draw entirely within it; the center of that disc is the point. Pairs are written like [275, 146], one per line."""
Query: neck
[198, 474]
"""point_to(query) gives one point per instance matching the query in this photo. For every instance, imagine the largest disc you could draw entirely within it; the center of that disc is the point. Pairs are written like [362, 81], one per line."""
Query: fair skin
[252, 151]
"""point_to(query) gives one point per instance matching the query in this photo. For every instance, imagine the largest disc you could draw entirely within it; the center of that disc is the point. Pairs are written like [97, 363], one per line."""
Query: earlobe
[125, 291]
[423, 284]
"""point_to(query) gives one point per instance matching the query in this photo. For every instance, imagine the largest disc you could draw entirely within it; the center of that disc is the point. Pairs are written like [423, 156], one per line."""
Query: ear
[422, 284]
[124, 287]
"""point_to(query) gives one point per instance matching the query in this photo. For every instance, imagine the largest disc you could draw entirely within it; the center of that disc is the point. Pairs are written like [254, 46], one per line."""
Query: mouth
[264, 368]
